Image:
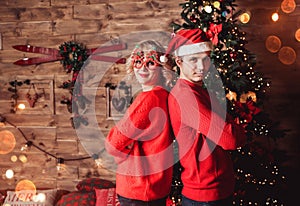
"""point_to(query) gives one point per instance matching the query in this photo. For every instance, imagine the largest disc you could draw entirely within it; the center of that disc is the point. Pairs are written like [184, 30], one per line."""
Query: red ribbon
[213, 32]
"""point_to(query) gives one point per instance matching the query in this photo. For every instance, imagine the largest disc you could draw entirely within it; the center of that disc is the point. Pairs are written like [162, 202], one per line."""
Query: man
[202, 128]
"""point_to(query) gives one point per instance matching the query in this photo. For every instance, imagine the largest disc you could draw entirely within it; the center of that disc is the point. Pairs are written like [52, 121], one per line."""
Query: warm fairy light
[21, 106]
[23, 158]
[14, 158]
[275, 16]
[27, 146]
[60, 166]
[244, 18]
[9, 174]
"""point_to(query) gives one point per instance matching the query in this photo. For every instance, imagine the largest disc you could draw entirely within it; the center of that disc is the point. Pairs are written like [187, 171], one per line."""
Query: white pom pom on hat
[163, 59]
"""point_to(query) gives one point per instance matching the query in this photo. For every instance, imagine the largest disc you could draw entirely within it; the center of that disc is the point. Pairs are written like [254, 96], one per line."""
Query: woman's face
[147, 71]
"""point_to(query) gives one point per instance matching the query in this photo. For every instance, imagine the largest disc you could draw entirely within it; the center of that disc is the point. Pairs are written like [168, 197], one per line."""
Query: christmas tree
[258, 175]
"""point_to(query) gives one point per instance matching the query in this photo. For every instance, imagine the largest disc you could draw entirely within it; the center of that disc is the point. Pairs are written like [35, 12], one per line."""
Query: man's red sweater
[203, 136]
[141, 143]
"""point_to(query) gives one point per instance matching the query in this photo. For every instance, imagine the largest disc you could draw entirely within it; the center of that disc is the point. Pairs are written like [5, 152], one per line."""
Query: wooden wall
[49, 23]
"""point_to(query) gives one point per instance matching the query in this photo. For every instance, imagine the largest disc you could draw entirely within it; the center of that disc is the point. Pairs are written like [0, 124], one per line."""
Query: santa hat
[189, 41]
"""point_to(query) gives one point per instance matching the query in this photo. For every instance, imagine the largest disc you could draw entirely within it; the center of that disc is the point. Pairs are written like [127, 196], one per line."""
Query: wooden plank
[39, 134]
[66, 134]
[97, 173]
[62, 27]
[35, 14]
[22, 4]
[11, 70]
[49, 42]
[94, 40]
[64, 148]
[1, 40]
[91, 11]
[30, 120]
[76, 2]
[69, 185]
[26, 29]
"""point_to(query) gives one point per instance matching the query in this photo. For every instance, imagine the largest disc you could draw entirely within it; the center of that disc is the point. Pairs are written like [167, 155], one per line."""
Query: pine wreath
[73, 55]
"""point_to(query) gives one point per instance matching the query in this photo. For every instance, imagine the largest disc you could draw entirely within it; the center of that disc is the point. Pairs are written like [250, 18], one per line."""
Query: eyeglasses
[148, 63]
[150, 60]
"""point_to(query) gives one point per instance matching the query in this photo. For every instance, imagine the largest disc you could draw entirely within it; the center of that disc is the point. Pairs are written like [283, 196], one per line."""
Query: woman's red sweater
[141, 143]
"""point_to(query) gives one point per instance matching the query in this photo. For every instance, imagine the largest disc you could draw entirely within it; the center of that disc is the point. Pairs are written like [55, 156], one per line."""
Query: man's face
[193, 67]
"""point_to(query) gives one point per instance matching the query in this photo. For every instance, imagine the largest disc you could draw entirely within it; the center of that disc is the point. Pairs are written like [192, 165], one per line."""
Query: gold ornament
[231, 95]
[249, 95]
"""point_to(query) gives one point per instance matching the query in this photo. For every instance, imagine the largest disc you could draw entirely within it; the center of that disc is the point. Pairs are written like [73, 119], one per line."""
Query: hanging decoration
[32, 97]
[14, 89]
[72, 56]
[68, 54]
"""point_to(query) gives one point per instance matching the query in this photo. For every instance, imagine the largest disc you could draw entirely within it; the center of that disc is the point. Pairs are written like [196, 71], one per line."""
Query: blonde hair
[168, 77]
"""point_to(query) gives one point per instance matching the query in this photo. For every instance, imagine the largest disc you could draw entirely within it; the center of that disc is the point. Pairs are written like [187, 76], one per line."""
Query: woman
[141, 142]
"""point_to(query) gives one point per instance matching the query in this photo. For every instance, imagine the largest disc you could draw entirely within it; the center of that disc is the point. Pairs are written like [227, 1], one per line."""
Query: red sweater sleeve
[197, 112]
[143, 121]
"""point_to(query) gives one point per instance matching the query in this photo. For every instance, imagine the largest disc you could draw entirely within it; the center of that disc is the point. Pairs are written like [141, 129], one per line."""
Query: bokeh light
[287, 55]
[288, 6]
[245, 17]
[275, 16]
[7, 142]
[25, 189]
[273, 43]
[9, 174]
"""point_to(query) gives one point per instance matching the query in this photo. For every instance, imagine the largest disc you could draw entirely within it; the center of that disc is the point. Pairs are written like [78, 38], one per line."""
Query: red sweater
[203, 136]
[141, 143]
